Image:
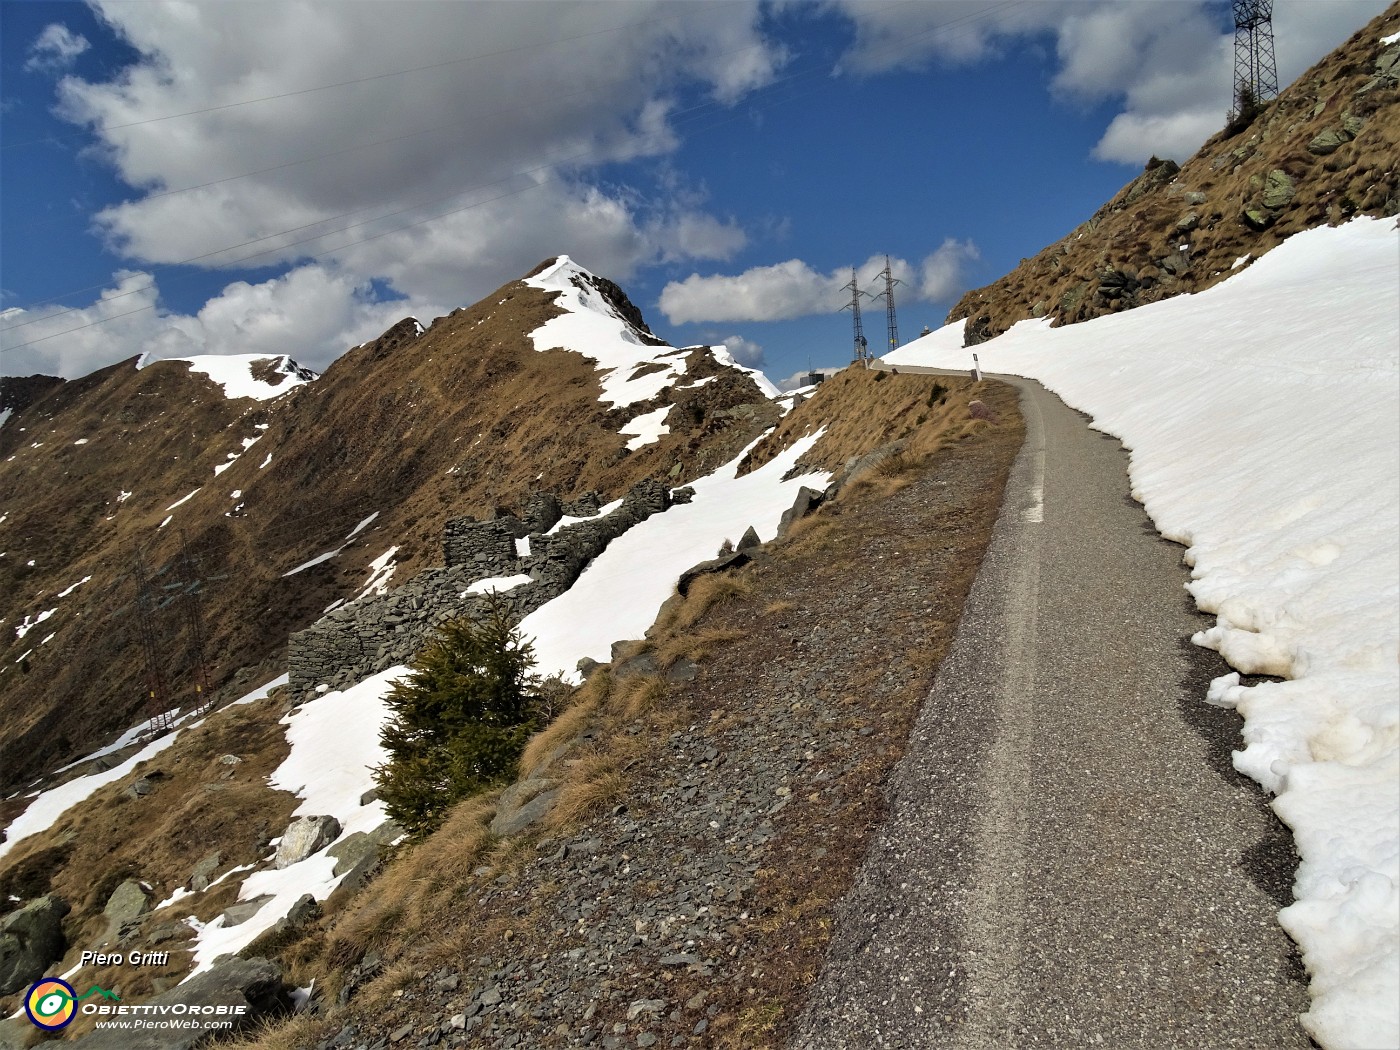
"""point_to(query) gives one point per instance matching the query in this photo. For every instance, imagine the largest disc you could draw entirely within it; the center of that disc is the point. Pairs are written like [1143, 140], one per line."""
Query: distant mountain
[285, 486]
[1321, 153]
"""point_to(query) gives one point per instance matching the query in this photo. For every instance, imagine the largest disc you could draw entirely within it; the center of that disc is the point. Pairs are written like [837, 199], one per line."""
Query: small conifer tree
[459, 719]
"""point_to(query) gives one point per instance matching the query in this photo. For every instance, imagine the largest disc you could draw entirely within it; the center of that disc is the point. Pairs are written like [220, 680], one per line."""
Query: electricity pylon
[1256, 75]
[891, 328]
[862, 351]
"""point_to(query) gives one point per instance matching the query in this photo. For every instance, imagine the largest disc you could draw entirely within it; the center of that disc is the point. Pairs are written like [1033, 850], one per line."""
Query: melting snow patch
[591, 327]
[328, 769]
[81, 441]
[638, 570]
[1240, 261]
[498, 584]
[166, 522]
[1390, 39]
[361, 526]
[24, 628]
[69, 590]
[522, 547]
[234, 372]
[266, 461]
[184, 499]
[381, 570]
[124, 496]
[648, 428]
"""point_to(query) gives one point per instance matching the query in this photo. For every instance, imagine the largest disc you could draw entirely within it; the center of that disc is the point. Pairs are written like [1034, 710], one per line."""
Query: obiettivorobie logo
[52, 1003]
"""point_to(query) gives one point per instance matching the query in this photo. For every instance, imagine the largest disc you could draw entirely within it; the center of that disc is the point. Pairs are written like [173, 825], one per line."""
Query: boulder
[30, 939]
[522, 804]
[303, 911]
[808, 500]
[241, 912]
[1328, 141]
[749, 540]
[203, 872]
[1278, 189]
[354, 848]
[303, 837]
[128, 902]
[1258, 219]
[255, 984]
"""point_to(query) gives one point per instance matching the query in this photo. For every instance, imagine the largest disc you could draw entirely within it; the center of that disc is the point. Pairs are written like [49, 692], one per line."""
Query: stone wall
[375, 633]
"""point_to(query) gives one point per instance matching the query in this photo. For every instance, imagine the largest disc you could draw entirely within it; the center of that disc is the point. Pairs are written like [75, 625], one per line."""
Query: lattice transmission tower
[1256, 74]
[862, 351]
[157, 634]
[891, 326]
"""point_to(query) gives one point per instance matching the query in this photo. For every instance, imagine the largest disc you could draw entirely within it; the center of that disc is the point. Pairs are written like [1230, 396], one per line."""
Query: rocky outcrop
[376, 633]
[30, 939]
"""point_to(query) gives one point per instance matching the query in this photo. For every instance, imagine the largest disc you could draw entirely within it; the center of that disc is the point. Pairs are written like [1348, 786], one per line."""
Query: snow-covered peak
[599, 322]
[259, 376]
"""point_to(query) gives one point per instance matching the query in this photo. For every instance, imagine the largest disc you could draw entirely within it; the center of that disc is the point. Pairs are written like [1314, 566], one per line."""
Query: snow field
[1263, 421]
[234, 372]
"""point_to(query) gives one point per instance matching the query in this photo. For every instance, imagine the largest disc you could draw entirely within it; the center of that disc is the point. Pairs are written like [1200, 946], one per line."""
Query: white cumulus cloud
[55, 49]
[791, 289]
[1167, 65]
[310, 312]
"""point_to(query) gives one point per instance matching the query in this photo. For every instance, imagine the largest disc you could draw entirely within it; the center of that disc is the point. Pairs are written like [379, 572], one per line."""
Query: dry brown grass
[863, 410]
[696, 645]
[594, 783]
[580, 711]
[778, 608]
[641, 695]
[416, 888]
[707, 592]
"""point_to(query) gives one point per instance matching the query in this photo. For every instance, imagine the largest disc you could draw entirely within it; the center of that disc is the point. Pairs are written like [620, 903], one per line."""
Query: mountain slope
[1324, 151]
[400, 434]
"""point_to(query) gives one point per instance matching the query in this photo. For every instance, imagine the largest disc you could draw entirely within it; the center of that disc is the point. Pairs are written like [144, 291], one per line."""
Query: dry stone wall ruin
[551, 542]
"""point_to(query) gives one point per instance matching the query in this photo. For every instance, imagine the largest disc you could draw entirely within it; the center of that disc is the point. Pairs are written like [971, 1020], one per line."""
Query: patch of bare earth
[682, 892]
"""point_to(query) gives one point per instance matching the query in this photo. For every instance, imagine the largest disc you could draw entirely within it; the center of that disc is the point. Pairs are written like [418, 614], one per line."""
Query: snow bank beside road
[1263, 418]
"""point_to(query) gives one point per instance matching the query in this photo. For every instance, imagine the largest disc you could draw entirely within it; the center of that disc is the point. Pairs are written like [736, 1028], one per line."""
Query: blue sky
[727, 163]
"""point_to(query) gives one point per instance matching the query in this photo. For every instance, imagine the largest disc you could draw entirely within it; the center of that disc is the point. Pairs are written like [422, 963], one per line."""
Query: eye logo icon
[51, 1004]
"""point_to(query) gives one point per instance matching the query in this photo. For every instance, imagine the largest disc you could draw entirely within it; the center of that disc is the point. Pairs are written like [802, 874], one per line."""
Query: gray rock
[1258, 219]
[303, 837]
[245, 910]
[1328, 141]
[749, 540]
[372, 795]
[30, 939]
[303, 911]
[254, 984]
[1188, 222]
[353, 849]
[518, 815]
[128, 902]
[1279, 189]
[204, 872]
[808, 500]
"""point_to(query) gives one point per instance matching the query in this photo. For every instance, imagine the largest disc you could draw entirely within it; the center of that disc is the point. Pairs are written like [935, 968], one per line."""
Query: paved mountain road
[1069, 858]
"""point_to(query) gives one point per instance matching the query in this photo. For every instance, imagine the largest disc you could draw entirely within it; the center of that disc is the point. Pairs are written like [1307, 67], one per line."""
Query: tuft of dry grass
[778, 608]
[707, 592]
[696, 645]
[544, 745]
[594, 783]
[641, 696]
